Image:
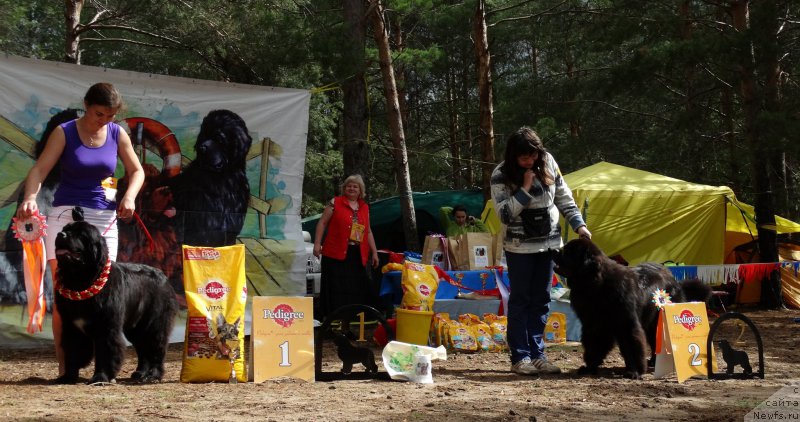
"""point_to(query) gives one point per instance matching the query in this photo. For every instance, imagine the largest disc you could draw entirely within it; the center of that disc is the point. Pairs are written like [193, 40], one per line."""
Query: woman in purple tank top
[87, 151]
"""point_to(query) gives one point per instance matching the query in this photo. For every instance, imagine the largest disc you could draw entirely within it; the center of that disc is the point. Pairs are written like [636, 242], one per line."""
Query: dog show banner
[257, 132]
[682, 334]
[282, 341]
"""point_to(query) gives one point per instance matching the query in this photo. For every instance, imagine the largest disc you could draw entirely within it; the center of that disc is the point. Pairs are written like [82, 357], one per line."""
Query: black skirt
[345, 282]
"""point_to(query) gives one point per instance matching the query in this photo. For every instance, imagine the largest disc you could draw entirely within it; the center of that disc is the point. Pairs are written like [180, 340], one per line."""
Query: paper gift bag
[435, 251]
[471, 251]
[497, 249]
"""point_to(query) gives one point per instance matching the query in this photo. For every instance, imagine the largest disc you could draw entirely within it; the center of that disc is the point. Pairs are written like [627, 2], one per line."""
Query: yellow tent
[646, 216]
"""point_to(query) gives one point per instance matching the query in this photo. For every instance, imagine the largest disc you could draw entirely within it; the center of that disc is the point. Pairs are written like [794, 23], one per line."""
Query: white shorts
[104, 220]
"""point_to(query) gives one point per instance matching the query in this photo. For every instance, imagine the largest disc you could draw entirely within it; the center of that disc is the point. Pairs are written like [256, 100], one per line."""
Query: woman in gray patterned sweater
[529, 193]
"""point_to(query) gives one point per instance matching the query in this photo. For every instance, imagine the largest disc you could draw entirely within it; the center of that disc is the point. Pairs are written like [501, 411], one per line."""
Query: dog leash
[141, 224]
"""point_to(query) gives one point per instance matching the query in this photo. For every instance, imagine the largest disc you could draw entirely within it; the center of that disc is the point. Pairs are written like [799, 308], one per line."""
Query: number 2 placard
[682, 332]
[282, 339]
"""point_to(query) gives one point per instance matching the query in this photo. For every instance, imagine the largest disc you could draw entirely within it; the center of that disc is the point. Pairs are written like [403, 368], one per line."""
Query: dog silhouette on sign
[733, 357]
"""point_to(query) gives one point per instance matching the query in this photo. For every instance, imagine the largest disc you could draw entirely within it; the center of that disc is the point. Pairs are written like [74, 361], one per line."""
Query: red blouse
[339, 226]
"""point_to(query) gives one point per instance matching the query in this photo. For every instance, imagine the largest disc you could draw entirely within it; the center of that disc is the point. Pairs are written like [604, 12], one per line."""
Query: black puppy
[212, 193]
[615, 303]
[350, 354]
[733, 357]
[99, 300]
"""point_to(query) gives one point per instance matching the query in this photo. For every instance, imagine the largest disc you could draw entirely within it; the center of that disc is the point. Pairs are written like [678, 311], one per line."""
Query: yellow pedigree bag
[499, 326]
[485, 338]
[216, 293]
[461, 337]
[469, 319]
[555, 331]
[439, 321]
[419, 282]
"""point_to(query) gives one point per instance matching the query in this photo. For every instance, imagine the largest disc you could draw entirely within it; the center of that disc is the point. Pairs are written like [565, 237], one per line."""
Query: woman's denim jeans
[531, 276]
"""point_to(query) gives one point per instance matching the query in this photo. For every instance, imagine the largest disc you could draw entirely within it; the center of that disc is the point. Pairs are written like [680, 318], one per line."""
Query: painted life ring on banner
[148, 131]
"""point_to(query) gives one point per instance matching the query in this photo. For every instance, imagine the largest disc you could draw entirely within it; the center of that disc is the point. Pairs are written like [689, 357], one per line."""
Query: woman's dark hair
[525, 142]
[103, 94]
[63, 116]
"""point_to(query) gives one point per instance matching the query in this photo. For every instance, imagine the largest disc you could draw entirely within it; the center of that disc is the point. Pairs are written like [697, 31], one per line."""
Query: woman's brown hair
[525, 142]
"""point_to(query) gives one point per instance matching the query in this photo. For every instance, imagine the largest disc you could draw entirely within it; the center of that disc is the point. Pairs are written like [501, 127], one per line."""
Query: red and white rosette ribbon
[30, 232]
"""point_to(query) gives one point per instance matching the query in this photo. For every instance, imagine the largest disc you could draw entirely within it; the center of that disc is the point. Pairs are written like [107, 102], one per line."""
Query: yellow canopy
[646, 216]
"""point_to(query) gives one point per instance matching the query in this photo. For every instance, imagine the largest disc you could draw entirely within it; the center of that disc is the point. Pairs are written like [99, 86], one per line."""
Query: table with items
[447, 295]
[449, 298]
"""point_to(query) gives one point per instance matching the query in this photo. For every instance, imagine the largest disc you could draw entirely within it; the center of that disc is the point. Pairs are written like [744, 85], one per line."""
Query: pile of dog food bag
[469, 333]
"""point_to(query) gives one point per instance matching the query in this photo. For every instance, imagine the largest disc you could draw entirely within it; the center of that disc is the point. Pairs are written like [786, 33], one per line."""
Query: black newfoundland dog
[614, 303]
[100, 300]
[212, 193]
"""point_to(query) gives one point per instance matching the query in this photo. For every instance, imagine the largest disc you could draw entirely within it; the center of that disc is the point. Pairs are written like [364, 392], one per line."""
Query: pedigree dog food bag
[555, 331]
[216, 293]
[419, 282]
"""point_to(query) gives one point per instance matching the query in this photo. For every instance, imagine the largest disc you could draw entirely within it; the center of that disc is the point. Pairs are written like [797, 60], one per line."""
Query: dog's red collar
[92, 290]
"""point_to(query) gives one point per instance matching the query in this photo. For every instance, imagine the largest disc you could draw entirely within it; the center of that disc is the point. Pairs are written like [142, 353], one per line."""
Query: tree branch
[639, 113]
[128, 29]
[535, 15]
[125, 40]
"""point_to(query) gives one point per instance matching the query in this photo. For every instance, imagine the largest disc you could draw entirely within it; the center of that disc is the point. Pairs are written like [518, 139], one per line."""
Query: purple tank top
[84, 168]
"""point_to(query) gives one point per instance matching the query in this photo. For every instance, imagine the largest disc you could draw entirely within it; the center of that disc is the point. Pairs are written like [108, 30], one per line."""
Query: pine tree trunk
[485, 110]
[454, 131]
[72, 18]
[402, 175]
[466, 146]
[400, 73]
[728, 123]
[752, 102]
[355, 151]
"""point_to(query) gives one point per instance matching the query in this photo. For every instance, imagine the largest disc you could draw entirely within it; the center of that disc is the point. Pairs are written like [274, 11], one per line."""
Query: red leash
[141, 223]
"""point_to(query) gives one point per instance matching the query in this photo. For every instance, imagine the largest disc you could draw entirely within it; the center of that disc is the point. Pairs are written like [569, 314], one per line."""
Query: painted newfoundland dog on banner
[100, 300]
[614, 303]
[212, 193]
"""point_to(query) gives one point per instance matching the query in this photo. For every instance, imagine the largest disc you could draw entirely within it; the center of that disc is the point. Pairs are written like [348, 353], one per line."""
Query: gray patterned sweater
[510, 201]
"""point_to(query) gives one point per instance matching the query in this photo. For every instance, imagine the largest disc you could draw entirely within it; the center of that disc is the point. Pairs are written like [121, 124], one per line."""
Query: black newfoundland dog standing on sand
[615, 303]
[212, 193]
[100, 300]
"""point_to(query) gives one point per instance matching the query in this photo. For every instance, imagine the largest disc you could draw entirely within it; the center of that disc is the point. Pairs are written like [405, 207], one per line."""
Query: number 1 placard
[282, 339]
[682, 333]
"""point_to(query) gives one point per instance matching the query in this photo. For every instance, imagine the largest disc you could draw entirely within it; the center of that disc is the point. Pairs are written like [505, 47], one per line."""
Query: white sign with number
[282, 340]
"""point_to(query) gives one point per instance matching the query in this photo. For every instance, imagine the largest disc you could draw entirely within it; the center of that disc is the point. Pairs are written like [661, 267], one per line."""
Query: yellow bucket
[413, 326]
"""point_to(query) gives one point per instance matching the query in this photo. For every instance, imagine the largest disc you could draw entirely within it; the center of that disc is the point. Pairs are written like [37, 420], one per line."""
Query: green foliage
[32, 29]
[631, 82]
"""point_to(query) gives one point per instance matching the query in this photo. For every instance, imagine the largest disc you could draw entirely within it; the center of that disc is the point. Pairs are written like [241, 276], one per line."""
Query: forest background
[420, 95]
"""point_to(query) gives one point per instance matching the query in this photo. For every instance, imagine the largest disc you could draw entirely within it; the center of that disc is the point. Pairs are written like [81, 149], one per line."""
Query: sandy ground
[475, 386]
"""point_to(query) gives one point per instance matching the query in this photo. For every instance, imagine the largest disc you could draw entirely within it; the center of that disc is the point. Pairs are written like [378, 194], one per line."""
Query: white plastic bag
[410, 362]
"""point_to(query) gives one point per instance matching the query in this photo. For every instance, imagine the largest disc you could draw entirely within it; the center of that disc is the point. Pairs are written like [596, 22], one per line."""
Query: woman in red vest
[346, 248]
